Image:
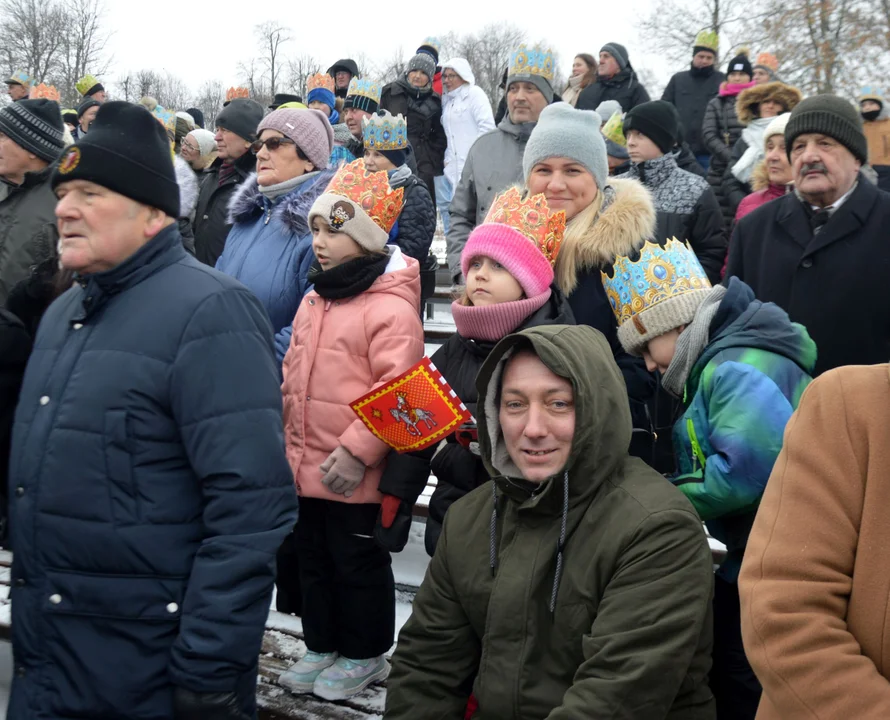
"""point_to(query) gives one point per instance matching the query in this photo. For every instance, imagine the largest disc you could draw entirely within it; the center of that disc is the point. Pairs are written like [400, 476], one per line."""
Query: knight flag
[414, 411]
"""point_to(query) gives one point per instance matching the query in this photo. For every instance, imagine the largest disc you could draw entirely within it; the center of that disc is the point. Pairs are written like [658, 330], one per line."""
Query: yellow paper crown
[533, 218]
[45, 92]
[85, 84]
[320, 80]
[370, 191]
[614, 129]
[708, 39]
[237, 92]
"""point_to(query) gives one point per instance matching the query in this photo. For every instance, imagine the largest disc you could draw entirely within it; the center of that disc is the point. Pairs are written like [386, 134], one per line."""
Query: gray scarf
[691, 343]
[273, 192]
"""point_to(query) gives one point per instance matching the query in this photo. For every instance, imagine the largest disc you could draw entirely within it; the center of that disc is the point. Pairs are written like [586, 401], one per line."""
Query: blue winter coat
[269, 249]
[149, 493]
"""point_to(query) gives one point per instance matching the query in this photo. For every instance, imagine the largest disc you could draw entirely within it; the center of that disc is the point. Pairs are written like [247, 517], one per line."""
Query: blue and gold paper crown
[871, 92]
[19, 78]
[383, 131]
[532, 61]
[430, 42]
[359, 87]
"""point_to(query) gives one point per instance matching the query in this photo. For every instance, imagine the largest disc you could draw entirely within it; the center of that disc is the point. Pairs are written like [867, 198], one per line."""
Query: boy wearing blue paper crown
[740, 366]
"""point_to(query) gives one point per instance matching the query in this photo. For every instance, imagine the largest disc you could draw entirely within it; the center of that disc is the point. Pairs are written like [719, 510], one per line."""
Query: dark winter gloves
[188, 705]
[342, 472]
[393, 524]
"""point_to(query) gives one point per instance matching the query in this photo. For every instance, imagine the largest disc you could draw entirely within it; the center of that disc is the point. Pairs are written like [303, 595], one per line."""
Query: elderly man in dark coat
[150, 489]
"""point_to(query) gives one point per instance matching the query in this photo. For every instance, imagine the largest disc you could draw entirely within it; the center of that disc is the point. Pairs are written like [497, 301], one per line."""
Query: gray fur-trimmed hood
[292, 210]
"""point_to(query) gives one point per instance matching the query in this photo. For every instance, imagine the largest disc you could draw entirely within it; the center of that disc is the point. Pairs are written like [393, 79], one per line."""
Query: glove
[188, 705]
[393, 524]
[388, 510]
[342, 472]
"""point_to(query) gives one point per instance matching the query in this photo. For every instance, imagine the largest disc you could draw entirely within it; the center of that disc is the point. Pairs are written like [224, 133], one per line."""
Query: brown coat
[815, 582]
[877, 133]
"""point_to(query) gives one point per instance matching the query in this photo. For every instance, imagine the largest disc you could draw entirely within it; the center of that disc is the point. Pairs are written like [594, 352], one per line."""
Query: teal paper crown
[382, 131]
[660, 273]
[432, 42]
[871, 92]
[535, 61]
[364, 88]
[20, 77]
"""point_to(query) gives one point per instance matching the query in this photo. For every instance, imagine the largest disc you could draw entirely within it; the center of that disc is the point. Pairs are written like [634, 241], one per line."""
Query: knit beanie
[740, 63]
[197, 115]
[657, 120]
[619, 52]
[204, 139]
[532, 65]
[832, 116]
[776, 127]
[309, 129]
[35, 126]
[86, 105]
[431, 46]
[126, 151]
[187, 119]
[69, 116]
[607, 108]
[562, 131]
[423, 62]
[322, 95]
[241, 116]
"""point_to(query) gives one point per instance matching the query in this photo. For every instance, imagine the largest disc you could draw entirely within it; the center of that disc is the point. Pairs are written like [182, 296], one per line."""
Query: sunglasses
[272, 143]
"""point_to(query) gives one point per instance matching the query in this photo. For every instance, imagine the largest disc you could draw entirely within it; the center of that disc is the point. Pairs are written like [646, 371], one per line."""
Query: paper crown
[370, 191]
[321, 81]
[45, 92]
[533, 218]
[431, 42]
[871, 92]
[707, 39]
[534, 61]
[364, 88]
[19, 78]
[382, 131]
[614, 129]
[237, 92]
[660, 273]
[85, 84]
[768, 60]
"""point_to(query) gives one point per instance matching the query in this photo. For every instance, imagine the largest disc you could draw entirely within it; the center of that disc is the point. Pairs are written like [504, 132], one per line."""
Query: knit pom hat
[35, 126]
[740, 63]
[509, 247]
[423, 62]
[309, 129]
[197, 115]
[657, 120]
[832, 116]
[563, 131]
[607, 108]
[776, 127]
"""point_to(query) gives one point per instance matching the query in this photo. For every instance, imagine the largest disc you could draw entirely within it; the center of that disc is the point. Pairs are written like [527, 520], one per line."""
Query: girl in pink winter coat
[359, 328]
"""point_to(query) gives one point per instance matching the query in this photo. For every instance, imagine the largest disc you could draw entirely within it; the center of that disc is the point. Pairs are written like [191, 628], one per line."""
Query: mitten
[188, 705]
[393, 524]
[342, 472]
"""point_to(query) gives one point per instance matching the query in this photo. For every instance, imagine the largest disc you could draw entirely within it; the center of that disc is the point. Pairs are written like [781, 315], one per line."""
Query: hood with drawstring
[586, 593]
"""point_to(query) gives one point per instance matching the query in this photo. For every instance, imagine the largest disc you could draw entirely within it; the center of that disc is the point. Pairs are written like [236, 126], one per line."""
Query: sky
[200, 41]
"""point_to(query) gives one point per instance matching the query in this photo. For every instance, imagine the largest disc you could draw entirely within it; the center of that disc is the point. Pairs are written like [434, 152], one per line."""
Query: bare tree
[488, 53]
[271, 36]
[31, 33]
[391, 69]
[254, 79]
[299, 70]
[83, 46]
[210, 100]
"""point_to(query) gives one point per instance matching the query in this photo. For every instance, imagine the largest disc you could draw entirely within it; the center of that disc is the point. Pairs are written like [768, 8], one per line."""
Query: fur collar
[188, 187]
[618, 230]
[292, 210]
[747, 104]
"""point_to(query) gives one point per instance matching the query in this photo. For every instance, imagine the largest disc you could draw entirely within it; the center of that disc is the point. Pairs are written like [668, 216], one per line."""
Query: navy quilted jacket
[149, 492]
[416, 226]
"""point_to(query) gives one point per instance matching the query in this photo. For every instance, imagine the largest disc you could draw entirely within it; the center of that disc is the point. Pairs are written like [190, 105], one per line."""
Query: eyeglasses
[450, 76]
[272, 144]
[185, 145]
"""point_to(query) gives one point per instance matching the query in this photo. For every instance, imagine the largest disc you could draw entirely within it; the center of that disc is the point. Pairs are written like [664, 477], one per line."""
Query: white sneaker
[347, 678]
[301, 677]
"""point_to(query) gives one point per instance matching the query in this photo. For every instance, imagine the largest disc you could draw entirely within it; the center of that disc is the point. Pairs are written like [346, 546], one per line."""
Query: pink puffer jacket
[339, 351]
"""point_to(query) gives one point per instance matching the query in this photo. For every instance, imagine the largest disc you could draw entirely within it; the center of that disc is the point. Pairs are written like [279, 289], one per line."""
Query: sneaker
[347, 678]
[301, 677]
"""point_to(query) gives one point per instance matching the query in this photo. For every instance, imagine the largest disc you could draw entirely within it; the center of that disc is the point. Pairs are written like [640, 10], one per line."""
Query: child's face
[331, 247]
[376, 161]
[489, 283]
[660, 351]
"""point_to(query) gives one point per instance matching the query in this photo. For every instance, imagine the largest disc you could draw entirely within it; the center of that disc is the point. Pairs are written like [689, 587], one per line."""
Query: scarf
[272, 192]
[753, 136]
[226, 170]
[733, 89]
[692, 343]
[348, 279]
[399, 177]
[494, 322]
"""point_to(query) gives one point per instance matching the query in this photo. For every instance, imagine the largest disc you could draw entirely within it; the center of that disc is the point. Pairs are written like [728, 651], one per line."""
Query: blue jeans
[444, 193]
[704, 160]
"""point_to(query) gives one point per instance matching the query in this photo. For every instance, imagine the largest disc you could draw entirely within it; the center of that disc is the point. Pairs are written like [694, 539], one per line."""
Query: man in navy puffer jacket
[149, 486]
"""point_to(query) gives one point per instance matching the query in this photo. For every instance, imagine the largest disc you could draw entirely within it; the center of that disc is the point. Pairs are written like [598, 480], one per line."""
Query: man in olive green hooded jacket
[585, 594]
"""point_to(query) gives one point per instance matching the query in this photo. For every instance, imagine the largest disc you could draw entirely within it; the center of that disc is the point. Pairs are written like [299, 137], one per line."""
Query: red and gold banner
[414, 411]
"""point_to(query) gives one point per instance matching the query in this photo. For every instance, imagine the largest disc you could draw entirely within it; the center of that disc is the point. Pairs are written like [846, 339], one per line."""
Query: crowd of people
[663, 321]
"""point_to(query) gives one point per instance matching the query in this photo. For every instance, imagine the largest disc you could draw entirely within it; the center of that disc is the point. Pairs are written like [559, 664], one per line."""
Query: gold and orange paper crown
[45, 92]
[533, 218]
[370, 191]
[768, 60]
[237, 92]
[320, 80]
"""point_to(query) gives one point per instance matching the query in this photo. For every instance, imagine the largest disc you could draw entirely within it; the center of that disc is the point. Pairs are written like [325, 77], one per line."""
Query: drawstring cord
[492, 543]
[562, 540]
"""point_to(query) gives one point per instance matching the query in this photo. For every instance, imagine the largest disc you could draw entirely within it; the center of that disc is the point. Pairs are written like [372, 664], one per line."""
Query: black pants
[349, 602]
[733, 682]
[289, 595]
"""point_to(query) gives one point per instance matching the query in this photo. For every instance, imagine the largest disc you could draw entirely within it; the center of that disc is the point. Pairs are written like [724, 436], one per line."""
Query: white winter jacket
[466, 114]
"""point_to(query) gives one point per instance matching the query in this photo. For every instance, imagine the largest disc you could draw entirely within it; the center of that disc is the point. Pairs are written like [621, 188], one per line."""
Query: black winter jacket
[687, 210]
[721, 130]
[211, 215]
[15, 347]
[414, 230]
[624, 87]
[690, 92]
[423, 111]
[834, 282]
[457, 470]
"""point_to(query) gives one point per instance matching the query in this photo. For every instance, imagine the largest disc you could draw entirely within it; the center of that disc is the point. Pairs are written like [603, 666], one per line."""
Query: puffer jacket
[340, 350]
[588, 596]
[211, 214]
[741, 393]
[269, 248]
[466, 116]
[422, 108]
[28, 233]
[624, 87]
[690, 92]
[416, 225]
[151, 492]
[494, 163]
[720, 131]
[687, 210]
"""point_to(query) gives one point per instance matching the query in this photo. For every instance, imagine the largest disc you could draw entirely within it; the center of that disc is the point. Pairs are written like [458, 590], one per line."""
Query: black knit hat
[198, 116]
[36, 126]
[619, 52]
[241, 116]
[126, 151]
[740, 63]
[657, 120]
[282, 98]
[832, 116]
[86, 105]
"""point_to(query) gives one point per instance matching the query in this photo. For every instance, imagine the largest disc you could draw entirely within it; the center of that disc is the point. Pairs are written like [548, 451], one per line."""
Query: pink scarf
[731, 90]
[495, 322]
